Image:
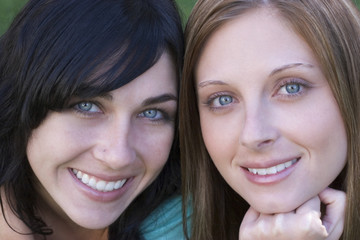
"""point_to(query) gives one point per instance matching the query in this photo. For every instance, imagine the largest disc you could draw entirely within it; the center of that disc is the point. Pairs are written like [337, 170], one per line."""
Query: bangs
[58, 49]
[105, 65]
[93, 53]
[87, 48]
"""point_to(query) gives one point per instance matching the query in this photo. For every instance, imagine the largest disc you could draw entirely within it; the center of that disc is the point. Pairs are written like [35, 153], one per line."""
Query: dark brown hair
[50, 54]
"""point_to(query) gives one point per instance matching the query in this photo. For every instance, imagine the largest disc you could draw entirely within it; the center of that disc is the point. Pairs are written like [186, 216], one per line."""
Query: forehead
[258, 37]
[159, 79]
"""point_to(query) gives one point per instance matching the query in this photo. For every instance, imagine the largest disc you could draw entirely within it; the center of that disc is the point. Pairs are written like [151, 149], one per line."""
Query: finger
[283, 226]
[246, 230]
[335, 202]
[310, 215]
[251, 215]
[312, 205]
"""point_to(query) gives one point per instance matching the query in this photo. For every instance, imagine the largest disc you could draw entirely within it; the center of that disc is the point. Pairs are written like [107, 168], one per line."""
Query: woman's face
[268, 116]
[95, 157]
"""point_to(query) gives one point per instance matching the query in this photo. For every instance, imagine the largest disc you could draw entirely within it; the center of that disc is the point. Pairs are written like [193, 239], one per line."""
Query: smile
[98, 184]
[272, 170]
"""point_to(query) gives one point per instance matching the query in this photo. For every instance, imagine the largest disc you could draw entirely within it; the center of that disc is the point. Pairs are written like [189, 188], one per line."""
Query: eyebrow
[288, 66]
[211, 82]
[149, 101]
[159, 99]
[106, 96]
[275, 71]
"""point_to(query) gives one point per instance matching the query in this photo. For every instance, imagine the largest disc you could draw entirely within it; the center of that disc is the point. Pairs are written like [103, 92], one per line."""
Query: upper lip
[268, 163]
[101, 176]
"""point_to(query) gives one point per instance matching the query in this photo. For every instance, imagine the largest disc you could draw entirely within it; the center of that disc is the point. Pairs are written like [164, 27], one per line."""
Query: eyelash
[303, 85]
[87, 114]
[164, 118]
[218, 95]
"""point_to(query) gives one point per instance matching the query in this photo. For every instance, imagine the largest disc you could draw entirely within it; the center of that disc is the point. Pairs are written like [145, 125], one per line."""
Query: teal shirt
[165, 223]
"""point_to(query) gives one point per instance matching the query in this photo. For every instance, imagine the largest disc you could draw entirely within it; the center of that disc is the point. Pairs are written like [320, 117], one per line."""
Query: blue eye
[87, 108]
[292, 88]
[225, 100]
[219, 100]
[151, 113]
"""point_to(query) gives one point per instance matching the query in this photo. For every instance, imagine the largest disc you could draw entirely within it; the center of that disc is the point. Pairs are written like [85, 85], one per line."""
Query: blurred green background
[9, 8]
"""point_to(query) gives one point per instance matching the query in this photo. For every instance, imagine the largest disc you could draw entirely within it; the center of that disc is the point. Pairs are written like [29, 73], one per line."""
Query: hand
[333, 219]
[303, 223]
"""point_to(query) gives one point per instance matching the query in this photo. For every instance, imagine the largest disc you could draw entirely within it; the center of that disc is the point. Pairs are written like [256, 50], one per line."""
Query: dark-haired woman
[88, 93]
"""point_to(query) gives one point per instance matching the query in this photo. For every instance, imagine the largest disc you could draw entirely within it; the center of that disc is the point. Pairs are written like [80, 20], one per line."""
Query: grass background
[9, 8]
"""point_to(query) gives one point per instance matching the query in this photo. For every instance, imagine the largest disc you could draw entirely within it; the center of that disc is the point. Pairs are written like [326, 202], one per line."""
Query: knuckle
[310, 220]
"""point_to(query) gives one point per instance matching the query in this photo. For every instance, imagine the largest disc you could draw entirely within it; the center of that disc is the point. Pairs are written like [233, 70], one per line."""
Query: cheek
[328, 142]
[322, 130]
[221, 136]
[155, 148]
[42, 146]
[321, 133]
[56, 144]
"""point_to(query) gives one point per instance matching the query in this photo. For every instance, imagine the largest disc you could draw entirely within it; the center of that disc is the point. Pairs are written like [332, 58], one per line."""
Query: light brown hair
[332, 30]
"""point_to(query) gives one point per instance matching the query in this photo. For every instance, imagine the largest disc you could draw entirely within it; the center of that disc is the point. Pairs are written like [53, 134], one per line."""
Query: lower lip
[271, 178]
[100, 196]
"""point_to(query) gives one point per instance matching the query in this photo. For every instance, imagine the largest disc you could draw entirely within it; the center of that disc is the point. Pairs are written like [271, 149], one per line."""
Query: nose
[115, 147]
[258, 131]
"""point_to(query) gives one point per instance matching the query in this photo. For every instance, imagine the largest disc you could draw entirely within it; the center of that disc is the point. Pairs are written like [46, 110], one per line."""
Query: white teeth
[92, 183]
[280, 167]
[261, 171]
[79, 174]
[85, 179]
[109, 186]
[288, 164]
[272, 170]
[119, 184]
[100, 185]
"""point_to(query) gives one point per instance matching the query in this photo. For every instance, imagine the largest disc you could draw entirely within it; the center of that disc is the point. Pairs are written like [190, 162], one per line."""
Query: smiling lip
[98, 184]
[274, 169]
[271, 174]
[98, 189]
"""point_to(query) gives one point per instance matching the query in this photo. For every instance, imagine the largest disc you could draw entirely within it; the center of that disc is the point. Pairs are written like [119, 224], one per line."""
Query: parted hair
[331, 28]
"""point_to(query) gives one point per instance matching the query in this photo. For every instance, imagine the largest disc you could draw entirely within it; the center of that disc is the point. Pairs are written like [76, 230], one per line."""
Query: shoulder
[165, 222]
[6, 232]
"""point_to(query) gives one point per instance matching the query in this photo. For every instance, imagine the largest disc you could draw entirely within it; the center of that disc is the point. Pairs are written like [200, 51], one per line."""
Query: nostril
[265, 143]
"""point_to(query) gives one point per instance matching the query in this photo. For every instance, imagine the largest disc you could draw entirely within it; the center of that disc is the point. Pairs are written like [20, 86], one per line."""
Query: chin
[274, 208]
[95, 224]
